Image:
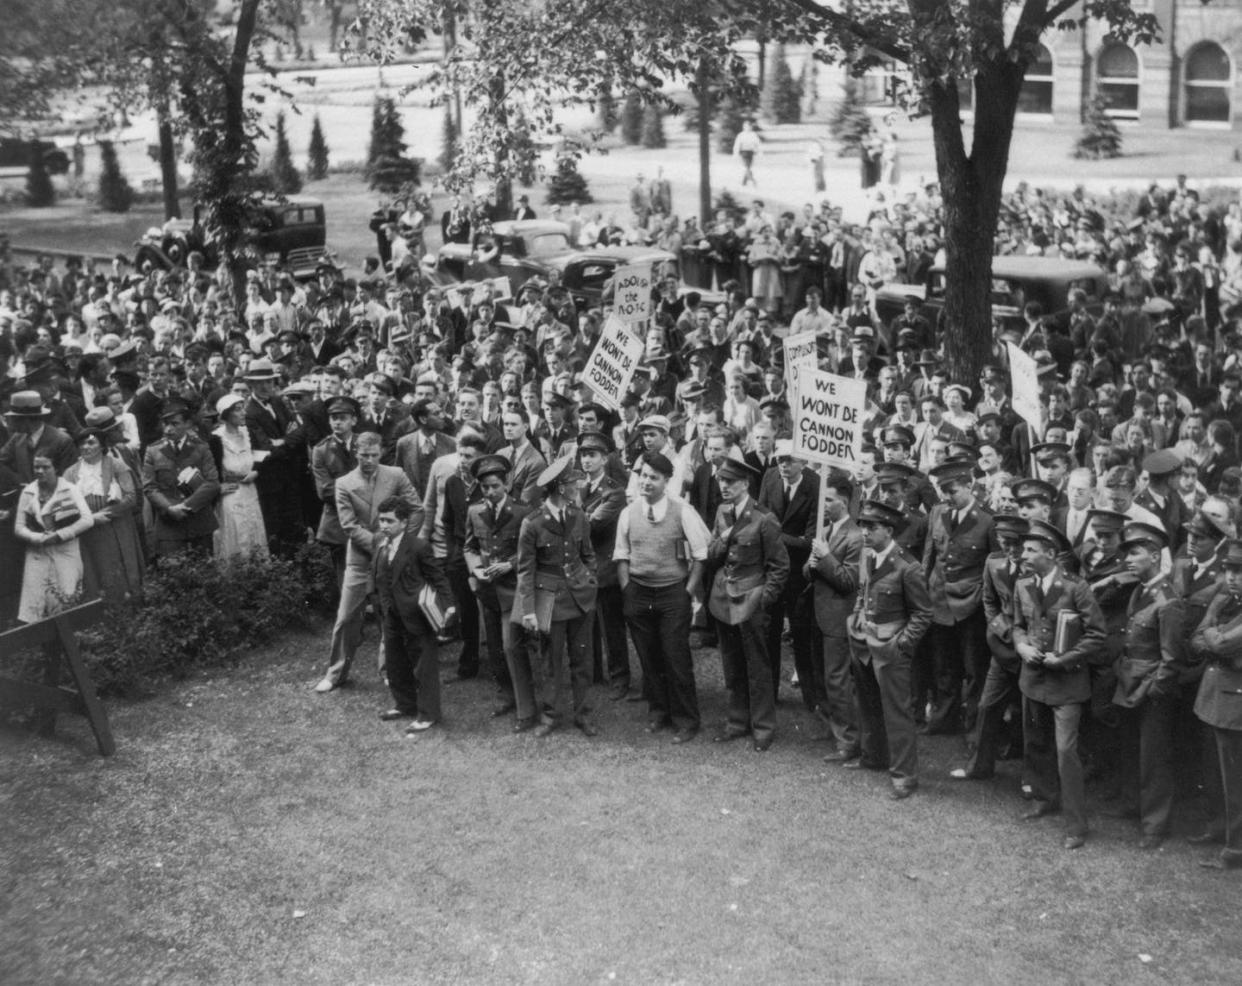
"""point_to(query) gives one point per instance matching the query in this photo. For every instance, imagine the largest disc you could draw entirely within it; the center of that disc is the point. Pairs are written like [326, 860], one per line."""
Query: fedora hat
[27, 404]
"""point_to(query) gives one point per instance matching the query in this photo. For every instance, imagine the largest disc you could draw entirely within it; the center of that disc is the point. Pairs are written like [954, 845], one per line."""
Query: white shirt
[692, 528]
[393, 545]
[1046, 582]
[878, 558]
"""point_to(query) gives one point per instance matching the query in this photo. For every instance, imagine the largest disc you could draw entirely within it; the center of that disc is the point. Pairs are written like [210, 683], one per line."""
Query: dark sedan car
[516, 249]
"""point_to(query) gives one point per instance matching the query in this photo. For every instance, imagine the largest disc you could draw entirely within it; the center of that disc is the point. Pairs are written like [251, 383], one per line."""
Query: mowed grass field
[249, 831]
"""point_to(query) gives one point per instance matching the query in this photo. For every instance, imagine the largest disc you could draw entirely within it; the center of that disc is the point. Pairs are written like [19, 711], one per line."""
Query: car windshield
[546, 245]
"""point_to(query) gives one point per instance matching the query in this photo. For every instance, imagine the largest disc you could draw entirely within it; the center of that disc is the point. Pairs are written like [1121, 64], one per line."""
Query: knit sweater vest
[654, 547]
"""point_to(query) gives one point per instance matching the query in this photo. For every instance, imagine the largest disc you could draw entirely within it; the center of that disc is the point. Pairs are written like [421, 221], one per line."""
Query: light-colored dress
[241, 532]
[764, 257]
[112, 555]
[52, 577]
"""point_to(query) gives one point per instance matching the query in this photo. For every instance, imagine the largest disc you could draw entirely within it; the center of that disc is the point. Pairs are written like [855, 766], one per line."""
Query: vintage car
[516, 249]
[291, 233]
[1015, 281]
[588, 274]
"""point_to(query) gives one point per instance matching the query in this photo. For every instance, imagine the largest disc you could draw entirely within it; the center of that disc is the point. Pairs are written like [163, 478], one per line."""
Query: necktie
[789, 491]
[651, 513]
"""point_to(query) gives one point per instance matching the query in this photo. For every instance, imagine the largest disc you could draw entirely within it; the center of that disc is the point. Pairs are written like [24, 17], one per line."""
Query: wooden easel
[55, 636]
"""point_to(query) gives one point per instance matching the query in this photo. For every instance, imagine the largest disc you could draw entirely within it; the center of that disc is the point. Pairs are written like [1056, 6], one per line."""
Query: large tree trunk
[500, 113]
[706, 108]
[234, 146]
[971, 187]
[168, 165]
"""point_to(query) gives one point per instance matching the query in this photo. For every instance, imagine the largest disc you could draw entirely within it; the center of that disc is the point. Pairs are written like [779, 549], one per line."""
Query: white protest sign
[501, 291]
[828, 417]
[800, 352]
[455, 298]
[631, 300]
[1025, 378]
[611, 366]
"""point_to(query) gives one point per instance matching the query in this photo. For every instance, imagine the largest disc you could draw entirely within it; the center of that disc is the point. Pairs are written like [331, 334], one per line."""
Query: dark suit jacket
[409, 456]
[704, 493]
[145, 407]
[1066, 680]
[752, 460]
[399, 584]
[1173, 515]
[796, 517]
[524, 474]
[458, 499]
[954, 562]
[834, 578]
[998, 585]
[18, 455]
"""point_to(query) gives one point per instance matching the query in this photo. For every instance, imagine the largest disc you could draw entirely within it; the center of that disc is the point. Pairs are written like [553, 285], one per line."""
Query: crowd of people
[1068, 592]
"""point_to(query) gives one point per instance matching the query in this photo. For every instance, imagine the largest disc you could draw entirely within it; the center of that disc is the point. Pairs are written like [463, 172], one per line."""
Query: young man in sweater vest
[660, 549]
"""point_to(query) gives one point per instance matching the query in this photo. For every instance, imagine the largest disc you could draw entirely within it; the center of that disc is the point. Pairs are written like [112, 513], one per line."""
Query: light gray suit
[523, 485]
[357, 507]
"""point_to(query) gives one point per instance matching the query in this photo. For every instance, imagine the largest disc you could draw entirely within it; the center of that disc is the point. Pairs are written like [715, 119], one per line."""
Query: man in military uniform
[1147, 680]
[331, 459]
[1218, 642]
[959, 540]
[603, 499]
[751, 568]
[180, 480]
[891, 614]
[897, 441]
[1163, 467]
[1054, 678]
[556, 595]
[1000, 689]
[490, 551]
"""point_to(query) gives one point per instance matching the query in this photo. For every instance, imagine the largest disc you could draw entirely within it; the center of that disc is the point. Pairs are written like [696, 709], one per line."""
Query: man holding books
[179, 478]
[1057, 626]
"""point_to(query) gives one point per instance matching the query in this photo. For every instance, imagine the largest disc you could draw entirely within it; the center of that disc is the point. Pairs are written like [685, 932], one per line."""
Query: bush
[40, 192]
[781, 97]
[606, 110]
[733, 116]
[317, 153]
[192, 615]
[115, 194]
[1101, 137]
[387, 166]
[448, 141]
[632, 118]
[849, 122]
[567, 184]
[732, 207]
[653, 127]
[286, 179]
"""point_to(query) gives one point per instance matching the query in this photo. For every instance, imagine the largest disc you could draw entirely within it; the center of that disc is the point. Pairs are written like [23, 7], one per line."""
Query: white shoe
[418, 726]
[325, 685]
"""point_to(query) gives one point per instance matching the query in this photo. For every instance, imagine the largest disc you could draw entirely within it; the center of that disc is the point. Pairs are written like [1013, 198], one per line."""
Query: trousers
[748, 676]
[659, 622]
[563, 649]
[886, 720]
[1050, 745]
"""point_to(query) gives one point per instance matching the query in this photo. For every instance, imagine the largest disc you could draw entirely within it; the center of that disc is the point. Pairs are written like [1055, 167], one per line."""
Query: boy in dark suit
[403, 565]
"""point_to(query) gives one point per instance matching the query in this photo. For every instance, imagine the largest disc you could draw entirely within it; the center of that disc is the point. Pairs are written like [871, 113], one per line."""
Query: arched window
[1117, 75]
[1209, 77]
[1036, 95]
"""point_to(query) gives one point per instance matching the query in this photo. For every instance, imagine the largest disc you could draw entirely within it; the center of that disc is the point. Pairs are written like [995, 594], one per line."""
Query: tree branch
[841, 22]
[1061, 7]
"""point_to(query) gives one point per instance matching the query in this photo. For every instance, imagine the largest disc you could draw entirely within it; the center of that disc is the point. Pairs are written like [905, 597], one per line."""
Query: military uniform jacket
[556, 567]
[912, 534]
[161, 467]
[492, 538]
[1153, 652]
[1035, 622]
[603, 505]
[998, 583]
[1112, 584]
[330, 460]
[749, 561]
[893, 609]
[1218, 642]
[1196, 591]
[953, 560]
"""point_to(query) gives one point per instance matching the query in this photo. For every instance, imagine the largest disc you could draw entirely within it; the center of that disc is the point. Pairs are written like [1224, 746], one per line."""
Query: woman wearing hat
[51, 514]
[241, 532]
[112, 553]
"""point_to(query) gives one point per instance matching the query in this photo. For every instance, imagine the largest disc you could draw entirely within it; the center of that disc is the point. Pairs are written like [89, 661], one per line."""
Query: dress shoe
[1074, 842]
[841, 756]
[655, 725]
[418, 726]
[861, 764]
[763, 745]
[729, 735]
[1150, 842]
[502, 709]
[1041, 809]
[325, 685]
[1206, 838]
[962, 774]
[544, 729]
[522, 725]
[900, 792]
[392, 714]
[684, 735]
[588, 727]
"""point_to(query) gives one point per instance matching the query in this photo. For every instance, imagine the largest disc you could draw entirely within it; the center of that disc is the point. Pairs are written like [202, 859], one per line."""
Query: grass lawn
[250, 831]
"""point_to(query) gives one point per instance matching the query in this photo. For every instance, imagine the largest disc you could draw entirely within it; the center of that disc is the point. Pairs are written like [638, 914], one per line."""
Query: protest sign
[632, 293]
[828, 417]
[800, 351]
[501, 291]
[1025, 378]
[611, 366]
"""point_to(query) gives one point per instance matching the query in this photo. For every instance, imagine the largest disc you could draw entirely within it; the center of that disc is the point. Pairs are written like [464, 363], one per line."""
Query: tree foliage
[632, 118]
[388, 168]
[317, 153]
[849, 122]
[782, 99]
[115, 194]
[40, 192]
[1101, 137]
[653, 127]
[567, 184]
[286, 179]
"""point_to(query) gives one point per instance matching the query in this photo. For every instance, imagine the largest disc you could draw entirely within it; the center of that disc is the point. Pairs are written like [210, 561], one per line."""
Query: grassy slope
[469, 855]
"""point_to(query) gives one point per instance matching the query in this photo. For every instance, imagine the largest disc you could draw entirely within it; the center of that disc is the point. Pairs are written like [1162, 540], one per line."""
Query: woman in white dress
[51, 514]
[241, 532]
[955, 398]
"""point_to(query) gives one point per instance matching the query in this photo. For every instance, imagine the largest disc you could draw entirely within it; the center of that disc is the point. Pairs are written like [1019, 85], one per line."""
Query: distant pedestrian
[746, 147]
[815, 158]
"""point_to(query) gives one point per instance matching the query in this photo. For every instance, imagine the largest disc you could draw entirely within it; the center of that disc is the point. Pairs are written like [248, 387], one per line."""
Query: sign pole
[822, 470]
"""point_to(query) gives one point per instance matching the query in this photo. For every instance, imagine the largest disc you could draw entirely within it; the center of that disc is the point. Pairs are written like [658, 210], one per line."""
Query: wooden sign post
[55, 636]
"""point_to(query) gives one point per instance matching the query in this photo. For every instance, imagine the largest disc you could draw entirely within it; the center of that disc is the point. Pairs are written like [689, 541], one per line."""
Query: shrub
[1101, 137]
[317, 153]
[448, 141]
[115, 193]
[40, 192]
[286, 179]
[781, 97]
[387, 166]
[191, 615]
[732, 207]
[632, 118]
[849, 122]
[567, 184]
[606, 110]
[732, 118]
[653, 127]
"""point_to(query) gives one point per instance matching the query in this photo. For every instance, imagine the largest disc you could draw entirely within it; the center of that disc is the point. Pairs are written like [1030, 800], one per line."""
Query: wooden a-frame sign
[55, 636]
